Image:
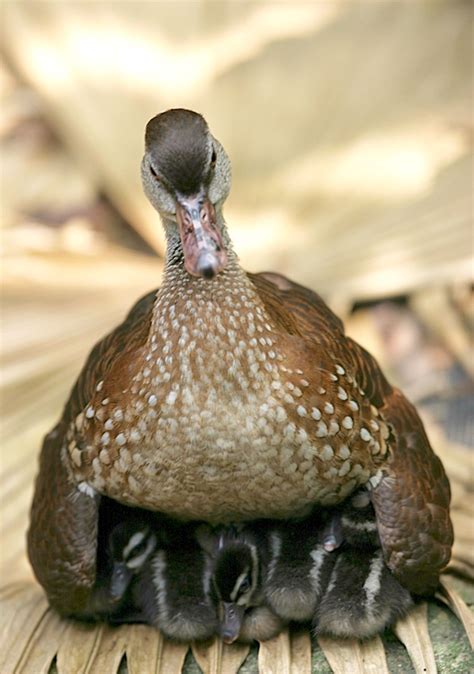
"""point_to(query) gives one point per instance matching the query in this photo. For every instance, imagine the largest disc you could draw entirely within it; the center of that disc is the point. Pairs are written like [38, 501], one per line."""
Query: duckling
[348, 591]
[171, 591]
[238, 556]
[299, 570]
[352, 522]
[131, 543]
[362, 597]
[127, 547]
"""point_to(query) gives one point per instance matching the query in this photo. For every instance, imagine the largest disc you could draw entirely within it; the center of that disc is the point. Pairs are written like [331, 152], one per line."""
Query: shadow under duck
[227, 396]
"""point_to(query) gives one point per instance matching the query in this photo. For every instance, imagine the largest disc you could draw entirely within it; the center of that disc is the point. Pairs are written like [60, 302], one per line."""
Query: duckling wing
[412, 498]
[62, 536]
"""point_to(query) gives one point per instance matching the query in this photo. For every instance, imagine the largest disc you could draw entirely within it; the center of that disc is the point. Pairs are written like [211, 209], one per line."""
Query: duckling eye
[141, 547]
[244, 585]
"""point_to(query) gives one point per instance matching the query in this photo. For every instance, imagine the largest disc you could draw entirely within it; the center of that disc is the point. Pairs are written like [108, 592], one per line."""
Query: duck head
[186, 176]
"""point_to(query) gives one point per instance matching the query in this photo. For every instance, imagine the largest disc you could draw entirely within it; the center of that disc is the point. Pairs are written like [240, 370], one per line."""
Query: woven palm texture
[349, 126]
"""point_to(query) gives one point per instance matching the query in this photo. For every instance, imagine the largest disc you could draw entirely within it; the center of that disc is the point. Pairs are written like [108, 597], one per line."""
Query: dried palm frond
[34, 636]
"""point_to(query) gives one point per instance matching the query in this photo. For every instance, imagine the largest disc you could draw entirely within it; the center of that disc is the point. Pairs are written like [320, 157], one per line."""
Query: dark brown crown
[178, 145]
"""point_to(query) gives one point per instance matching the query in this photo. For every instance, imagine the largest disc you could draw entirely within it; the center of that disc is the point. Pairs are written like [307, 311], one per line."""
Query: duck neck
[213, 335]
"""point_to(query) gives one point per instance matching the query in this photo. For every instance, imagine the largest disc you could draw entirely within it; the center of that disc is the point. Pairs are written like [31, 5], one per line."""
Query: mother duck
[228, 396]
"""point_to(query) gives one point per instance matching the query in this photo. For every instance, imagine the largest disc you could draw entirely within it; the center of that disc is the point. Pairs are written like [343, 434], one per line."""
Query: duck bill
[232, 616]
[204, 252]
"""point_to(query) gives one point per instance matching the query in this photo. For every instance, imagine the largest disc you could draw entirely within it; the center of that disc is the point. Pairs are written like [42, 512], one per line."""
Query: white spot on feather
[341, 393]
[322, 430]
[86, 489]
[344, 452]
[327, 453]
[347, 423]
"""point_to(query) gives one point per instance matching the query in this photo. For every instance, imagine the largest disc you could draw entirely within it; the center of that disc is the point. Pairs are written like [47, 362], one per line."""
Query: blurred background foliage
[349, 125]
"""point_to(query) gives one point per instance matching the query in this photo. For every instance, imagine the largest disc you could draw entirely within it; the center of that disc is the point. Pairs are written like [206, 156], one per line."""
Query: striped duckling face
[130, 545]
[235, 582]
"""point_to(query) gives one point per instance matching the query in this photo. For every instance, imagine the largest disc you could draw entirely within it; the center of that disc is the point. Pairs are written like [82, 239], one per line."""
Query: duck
[362, 598]
[228, 396]
[238, 557]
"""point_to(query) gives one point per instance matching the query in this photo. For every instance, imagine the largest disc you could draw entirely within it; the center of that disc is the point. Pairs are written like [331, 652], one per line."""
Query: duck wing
[412, 502]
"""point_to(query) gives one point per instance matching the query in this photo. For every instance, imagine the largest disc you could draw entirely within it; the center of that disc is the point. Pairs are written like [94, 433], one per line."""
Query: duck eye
[153, 172]
[213, 159]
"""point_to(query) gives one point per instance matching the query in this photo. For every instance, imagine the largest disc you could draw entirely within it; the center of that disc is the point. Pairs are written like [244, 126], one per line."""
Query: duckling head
[236, 581]
[186, 176]
[130, 544]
